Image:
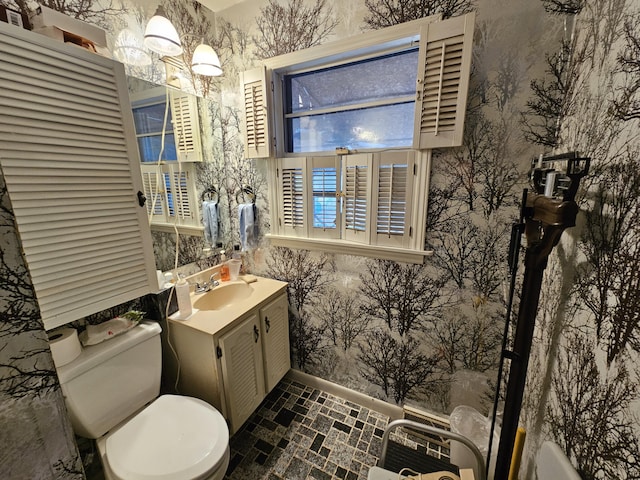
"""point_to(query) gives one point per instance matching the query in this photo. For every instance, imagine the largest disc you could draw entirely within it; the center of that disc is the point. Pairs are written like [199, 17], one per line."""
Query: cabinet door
[242, 370]
[274, 320]
[71, 166]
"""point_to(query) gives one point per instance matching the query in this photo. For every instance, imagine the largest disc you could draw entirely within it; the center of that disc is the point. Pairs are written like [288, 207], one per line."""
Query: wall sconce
[128, 48]
[205, 61]
[161, 36]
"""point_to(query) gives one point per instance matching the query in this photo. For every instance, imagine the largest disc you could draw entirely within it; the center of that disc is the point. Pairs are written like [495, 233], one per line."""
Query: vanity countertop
[216, 321]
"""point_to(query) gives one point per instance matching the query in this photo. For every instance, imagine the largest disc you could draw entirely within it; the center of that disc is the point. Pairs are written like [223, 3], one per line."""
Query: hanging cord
[159, 177]
[514, 255]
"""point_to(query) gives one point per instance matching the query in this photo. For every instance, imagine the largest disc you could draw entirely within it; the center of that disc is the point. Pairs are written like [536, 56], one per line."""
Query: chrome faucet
[205, 287]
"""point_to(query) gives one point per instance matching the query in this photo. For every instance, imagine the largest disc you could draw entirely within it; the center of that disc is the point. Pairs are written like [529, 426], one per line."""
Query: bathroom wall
[36, 440]
[529, 95]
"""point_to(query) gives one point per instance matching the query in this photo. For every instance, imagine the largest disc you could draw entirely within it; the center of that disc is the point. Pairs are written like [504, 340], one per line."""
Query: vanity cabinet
[234, 365]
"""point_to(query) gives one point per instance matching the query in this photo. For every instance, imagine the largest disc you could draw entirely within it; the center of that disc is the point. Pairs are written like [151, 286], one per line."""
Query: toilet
[111, 391]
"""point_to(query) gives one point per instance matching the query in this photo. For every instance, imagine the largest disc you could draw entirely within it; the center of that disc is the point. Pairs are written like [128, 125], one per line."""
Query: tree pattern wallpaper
[548, 76]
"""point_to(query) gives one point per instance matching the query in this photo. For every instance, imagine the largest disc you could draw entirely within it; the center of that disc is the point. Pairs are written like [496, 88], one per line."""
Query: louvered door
[71, 167]
[356, 174]
[393, 181]
[186, 126]
[258, 142]
[443, 81]
[242, 370]
[274, 320]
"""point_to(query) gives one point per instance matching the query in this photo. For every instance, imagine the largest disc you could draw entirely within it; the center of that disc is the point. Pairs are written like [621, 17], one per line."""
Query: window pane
[149, 148]
[324, 197]
[386, 77]
[149, 119]
[377, 127]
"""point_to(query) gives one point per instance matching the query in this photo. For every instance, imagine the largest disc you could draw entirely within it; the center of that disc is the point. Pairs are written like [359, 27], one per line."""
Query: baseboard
[394, 412]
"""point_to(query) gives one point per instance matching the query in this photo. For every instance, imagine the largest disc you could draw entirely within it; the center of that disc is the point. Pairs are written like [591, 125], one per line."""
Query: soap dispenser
[225, 275]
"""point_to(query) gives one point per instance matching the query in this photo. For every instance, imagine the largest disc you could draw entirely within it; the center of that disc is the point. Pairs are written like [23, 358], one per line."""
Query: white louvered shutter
[357, 178]
[154, 191]
[71, 166]
[324, 202]
[443, 82]
[393, 179]
[186, 126]
[293, 194]
[258, 142]
[170, 191]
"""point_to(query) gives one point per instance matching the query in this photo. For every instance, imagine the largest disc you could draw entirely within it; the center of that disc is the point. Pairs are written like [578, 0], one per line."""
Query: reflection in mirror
[168, 134]
[206, 140]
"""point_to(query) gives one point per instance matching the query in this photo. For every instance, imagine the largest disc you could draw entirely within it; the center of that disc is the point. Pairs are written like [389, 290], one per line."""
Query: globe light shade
[205, 61]
[161, 36]
[128, 48]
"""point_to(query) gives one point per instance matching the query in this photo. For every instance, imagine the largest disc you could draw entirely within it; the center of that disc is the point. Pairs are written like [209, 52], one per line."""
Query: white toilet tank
[110, 381]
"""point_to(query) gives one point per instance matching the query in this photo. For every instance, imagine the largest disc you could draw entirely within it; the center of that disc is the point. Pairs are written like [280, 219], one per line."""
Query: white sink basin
[223, 296]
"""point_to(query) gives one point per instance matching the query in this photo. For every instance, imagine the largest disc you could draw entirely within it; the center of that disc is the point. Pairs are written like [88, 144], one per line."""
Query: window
[167, 163]
[364, 104]
[349, 127]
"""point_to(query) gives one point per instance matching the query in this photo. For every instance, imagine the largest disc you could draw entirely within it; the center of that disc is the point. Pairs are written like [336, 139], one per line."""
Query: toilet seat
[174, 438]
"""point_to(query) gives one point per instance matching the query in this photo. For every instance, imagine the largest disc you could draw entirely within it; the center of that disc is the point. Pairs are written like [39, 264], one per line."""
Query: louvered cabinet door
[258, 141]
[72, 170]
[274, 320]
[242, 370]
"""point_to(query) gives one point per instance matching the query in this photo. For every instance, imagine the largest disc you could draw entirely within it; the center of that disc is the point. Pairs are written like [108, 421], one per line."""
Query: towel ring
[211, 192]
[247, 192]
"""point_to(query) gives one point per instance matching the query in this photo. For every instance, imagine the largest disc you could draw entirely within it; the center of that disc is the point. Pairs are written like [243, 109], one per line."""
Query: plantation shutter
[71, 166]
[257, 130]
[393, 178]
[170, 193]
[292, 174]
[324, 203]
[357, 173]
[443, 81]
[186, 126]
[154, 191]
[178, 190]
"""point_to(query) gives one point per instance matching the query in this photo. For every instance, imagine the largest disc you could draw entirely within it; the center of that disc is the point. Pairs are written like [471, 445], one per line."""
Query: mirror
[188, 135]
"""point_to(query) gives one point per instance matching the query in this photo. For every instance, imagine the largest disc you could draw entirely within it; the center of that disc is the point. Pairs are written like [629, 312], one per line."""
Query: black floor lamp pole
[546, 215]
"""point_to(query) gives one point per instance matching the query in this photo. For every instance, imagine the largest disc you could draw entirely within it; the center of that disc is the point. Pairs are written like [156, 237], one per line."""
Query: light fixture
[161, 36]
[205, 61]
[128, 48]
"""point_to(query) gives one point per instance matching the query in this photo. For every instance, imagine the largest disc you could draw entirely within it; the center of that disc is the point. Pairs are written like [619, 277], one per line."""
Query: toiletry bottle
[225, 276]
[184, 300]
[237, 255]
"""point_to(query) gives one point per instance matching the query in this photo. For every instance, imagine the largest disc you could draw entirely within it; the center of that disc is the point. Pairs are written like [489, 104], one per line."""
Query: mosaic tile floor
[300, 432]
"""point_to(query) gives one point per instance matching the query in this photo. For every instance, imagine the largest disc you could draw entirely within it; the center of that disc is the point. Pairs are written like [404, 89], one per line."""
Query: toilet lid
[174, 438]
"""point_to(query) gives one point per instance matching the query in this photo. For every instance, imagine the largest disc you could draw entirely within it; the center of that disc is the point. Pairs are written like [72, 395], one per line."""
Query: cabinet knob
[141, 199]
[256, 333]
[267, 323]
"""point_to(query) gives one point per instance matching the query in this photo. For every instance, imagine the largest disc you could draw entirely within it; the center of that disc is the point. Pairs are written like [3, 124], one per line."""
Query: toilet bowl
[111, 392]
[174, 438]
